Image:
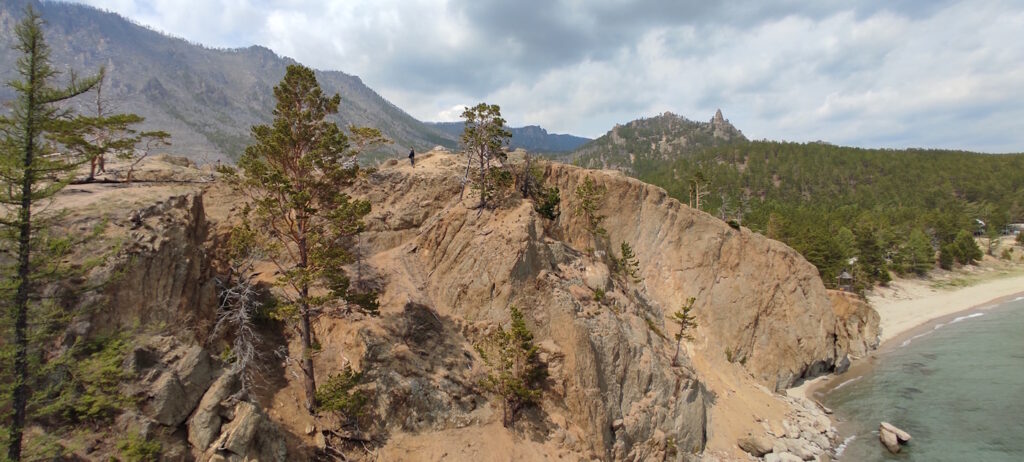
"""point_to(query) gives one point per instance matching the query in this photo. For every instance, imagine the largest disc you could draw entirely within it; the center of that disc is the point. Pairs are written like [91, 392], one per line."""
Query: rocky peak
[718, 119]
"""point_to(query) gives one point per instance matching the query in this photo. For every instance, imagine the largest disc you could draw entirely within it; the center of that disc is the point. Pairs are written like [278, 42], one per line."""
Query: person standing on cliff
[412, 157]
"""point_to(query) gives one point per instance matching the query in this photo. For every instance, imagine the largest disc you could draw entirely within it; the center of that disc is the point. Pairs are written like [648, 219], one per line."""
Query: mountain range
[531, 138]
[208, 99]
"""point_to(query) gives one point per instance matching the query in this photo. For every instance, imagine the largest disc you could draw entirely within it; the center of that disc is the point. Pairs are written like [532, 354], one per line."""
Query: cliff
[447, 273]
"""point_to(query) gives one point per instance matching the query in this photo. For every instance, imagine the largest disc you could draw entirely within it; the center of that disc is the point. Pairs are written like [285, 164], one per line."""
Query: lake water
[957, 386]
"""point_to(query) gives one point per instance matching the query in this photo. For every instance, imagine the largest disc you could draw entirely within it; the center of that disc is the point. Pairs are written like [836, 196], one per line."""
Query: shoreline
[902, 320]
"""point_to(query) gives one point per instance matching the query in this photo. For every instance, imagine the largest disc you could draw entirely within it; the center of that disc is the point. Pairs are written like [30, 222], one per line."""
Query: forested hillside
[891, 209]
[655, 140]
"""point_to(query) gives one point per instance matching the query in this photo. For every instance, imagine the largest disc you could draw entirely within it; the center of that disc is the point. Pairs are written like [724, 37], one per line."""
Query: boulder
[167, 403]
[195, 372]
[239, 433]
[249, 436]
[204, 425]
[889, 440]
[754, 445]
[187, 373]
[901, 435]
[781, 457]
[597, 276]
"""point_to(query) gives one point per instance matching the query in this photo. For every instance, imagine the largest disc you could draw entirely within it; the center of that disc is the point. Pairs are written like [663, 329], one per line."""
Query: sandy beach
[907, 304]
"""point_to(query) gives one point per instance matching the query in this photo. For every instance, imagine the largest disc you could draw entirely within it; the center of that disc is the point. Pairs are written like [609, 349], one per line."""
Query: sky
[870, 73]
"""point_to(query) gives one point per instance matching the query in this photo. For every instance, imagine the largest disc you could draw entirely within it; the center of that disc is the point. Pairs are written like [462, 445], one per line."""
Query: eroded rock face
[758, 301]
[162, 277]
[857, 329]
[450, 272]
[174, 382]
[612, 366]
[612, 384]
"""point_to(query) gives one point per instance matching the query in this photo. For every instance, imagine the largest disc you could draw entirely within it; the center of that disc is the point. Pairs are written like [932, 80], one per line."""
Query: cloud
[895, 73]
[452, 114]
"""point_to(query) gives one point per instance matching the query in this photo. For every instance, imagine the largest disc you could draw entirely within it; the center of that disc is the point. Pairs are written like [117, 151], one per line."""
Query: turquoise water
[958, 388]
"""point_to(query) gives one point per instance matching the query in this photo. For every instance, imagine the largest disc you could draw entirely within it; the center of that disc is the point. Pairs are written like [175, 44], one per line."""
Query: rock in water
[892, 437]
[900, 434]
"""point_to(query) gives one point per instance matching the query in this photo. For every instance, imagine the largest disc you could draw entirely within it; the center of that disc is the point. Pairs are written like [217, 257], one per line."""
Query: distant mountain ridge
[206, 98]
[656, 139]
[531, 137]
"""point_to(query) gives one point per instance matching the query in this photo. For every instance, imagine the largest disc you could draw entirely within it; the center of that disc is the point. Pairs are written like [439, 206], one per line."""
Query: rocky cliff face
[163, 275]
[857, 324]
[759, 303]
[448, 273]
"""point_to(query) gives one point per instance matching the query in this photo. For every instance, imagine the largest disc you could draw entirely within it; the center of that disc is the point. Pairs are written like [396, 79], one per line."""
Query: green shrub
[337, 394]
[546, 203]
[368, 302]
[135, 448]
[84, 384]
[591, 197]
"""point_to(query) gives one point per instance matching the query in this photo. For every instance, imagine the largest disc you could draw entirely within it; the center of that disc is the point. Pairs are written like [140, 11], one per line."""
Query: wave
[1019, 298]
[911, 339]
[842, 446]
[847, 382]
[969, 316]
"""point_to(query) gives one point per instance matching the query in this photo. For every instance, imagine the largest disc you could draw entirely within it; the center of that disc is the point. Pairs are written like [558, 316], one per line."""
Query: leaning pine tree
[295, 176]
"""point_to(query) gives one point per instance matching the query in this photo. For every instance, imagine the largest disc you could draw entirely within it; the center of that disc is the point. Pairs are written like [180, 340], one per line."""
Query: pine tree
[295, 176]
[919, 254]
[871, 262]
[627, 263]
[516, 374]
[684, 318]
[590, 198]
[967, 250]
[33, 171]
[483, 138]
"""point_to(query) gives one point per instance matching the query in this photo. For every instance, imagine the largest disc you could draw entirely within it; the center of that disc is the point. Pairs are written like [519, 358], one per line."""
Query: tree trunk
[309, 376]
[483, 182]
[20, 395]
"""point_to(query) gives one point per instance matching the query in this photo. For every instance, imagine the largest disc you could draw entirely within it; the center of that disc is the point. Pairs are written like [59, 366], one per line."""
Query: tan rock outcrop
[448, 273]
[757, 299]
[162, 276]
[857, 324]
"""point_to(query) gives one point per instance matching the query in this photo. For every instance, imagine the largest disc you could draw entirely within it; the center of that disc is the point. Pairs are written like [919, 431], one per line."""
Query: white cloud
[452, 114]
[946, 73]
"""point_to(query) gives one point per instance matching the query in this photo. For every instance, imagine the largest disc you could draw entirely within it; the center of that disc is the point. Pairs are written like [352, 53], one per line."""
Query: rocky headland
[447, 273]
